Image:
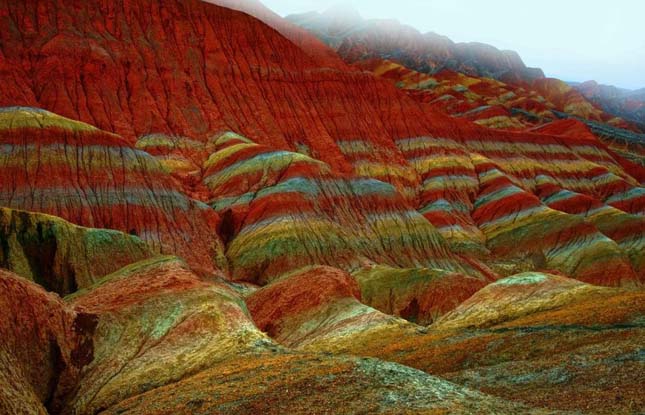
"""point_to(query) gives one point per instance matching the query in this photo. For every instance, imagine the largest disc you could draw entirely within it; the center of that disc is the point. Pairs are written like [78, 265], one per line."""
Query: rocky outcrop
[60, 256]
[43, 347]
[166, 324]
[568, 99]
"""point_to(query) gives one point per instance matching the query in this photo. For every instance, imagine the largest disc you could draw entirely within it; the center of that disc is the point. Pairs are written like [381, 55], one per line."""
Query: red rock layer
[43, 346]
[284, 210]
[193, 69]
[317, 50]
[185, 69]
[93, 178]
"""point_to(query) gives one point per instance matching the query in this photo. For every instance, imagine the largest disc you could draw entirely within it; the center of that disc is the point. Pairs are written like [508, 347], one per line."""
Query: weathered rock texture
[165, 323]
[285, 210]
[60, 256]
[93, 178]
[43, 347]
[309, 208]
[536, 338]
[190, 346]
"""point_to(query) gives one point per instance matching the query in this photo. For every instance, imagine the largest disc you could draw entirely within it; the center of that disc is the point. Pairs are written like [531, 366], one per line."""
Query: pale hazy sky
[574, 40]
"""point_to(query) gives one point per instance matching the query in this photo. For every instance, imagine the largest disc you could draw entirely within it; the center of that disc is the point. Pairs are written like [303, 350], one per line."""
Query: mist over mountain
[355, 38]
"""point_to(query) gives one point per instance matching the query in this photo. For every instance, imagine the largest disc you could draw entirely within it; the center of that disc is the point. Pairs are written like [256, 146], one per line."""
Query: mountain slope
[93, 178]
[306, 209]
[364, 129]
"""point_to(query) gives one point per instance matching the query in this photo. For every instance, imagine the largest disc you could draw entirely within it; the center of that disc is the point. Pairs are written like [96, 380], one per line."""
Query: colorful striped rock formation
[480, 195]
[485, 101]
[629, 104]
[92, 178]
[627, 145]
[462, 75]
[240, 222]
[284, 210]
[491, 102]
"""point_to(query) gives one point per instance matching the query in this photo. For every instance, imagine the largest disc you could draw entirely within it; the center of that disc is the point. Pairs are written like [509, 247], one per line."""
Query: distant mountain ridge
[625, 103]
[356, 38]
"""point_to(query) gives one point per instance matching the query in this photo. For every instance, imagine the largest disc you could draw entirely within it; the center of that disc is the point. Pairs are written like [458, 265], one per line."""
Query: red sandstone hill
[358, 40]
[316, 209]
[317, 50]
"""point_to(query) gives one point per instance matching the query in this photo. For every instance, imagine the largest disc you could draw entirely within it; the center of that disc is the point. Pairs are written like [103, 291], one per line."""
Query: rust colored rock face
[239, 221]
[184, 69]
[321, 54]
[44, 345]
